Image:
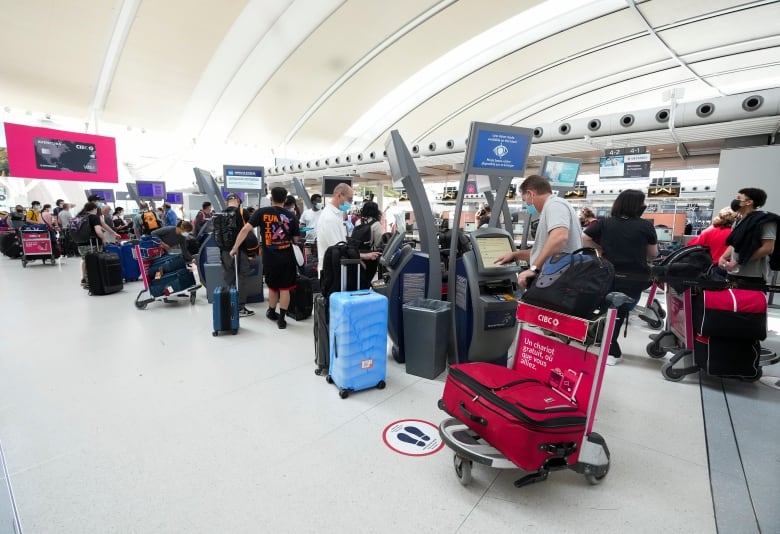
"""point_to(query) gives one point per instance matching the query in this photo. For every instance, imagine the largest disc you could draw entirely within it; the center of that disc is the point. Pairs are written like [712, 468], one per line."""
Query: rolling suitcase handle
[344, 264]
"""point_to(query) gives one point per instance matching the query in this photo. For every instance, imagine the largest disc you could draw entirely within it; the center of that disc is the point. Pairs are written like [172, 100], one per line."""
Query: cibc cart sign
[412, 437]
[568, 369]
[573, 327]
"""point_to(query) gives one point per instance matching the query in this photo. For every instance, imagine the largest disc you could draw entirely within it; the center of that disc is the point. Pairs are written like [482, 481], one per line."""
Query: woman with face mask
[34, 213]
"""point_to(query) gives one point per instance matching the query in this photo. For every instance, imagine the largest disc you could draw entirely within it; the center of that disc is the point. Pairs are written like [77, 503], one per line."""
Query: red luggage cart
[36, 245]
[562, 358]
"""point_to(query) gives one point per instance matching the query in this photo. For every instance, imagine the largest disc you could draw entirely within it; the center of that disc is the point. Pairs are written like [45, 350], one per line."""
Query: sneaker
[281, 323]
[614, 360]
[271, 314]
[245, 312]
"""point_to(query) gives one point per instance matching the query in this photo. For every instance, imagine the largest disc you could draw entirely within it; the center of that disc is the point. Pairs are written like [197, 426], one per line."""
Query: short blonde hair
[724, 218]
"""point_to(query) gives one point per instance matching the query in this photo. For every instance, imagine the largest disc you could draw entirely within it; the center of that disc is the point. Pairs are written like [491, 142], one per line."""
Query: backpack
[575, 284]
[361, 237]
[149, 222]
[226, 226]
[78, 229]
[330, 277]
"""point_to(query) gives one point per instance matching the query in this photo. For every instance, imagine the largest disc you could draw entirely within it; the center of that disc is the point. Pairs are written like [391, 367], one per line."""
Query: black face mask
[736, 204]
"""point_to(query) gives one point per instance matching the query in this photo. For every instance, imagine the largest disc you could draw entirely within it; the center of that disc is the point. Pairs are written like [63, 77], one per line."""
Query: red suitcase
[533, 425]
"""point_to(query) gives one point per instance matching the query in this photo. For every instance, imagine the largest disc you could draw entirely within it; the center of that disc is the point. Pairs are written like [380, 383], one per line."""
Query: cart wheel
[328, 379]
[670, 373]
[24, 263]
[192, 298]
[343, 393]
[215, 333]
[655, 325]
[140, 305]
[654, 350]
[593, 480]
[462, 469]
[234, 332]
[381, 385]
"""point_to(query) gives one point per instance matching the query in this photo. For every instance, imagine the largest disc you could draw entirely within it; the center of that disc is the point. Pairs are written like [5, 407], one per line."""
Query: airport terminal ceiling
[301, 81]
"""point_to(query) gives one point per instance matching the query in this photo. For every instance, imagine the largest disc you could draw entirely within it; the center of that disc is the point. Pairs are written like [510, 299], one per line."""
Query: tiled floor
[119, 420]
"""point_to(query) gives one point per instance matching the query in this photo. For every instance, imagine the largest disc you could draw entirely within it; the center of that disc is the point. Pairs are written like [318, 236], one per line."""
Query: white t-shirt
[309, 219]
[557, 213]
[330, 230]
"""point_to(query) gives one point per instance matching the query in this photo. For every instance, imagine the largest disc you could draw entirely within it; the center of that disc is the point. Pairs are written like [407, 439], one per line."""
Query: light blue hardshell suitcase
[358, 339]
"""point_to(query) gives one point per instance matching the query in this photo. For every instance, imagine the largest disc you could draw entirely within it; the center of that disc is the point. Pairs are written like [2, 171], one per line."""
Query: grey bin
[427, 324]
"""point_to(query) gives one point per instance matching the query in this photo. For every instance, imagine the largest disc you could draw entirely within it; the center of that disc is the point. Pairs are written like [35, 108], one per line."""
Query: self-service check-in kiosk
[481, 291]
[484, 301]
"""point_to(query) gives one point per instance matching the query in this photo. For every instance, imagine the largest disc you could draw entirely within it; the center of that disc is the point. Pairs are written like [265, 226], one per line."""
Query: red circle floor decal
[413, 437]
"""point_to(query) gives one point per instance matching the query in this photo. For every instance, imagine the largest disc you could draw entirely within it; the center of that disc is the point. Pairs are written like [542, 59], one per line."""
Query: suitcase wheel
[343, 393]
[381, 385]
[192, 297]
[462, 469]
[215, 333]
[328, 379]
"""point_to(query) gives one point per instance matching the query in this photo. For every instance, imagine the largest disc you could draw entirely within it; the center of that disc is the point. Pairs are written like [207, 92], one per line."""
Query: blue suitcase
[131, 271]
[171, 283]
[358, 339]
[225, 308]
[168, 263]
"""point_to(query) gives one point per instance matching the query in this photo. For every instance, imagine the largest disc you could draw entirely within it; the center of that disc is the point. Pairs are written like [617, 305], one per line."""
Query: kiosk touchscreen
[485, 303]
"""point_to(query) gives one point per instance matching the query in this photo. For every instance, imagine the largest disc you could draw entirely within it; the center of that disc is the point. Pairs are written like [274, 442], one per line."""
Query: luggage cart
[653, 313]
[680, 337]
[566, 339]
[36, 245]
[145, 257]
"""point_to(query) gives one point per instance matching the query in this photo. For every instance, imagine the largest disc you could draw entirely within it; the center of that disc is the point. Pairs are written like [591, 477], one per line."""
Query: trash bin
[426, 336]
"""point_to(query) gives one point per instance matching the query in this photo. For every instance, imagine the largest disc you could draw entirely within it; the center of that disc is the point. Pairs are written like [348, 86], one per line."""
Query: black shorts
[280, 269]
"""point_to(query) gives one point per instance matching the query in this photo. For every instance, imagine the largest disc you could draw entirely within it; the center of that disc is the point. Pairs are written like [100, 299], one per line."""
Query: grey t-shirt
[557, 213]
[758, 268]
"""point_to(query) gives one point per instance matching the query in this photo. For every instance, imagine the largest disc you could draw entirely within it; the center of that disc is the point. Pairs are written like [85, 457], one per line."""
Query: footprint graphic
[409, 439]
[417, 432]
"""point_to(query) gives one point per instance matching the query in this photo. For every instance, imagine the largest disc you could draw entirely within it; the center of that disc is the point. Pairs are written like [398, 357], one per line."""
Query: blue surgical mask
[345, 206]
[318, 206]
[100, 204]
[531, 209]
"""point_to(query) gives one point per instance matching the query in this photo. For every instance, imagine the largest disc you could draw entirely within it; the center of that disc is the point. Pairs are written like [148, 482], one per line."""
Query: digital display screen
[329, 183]
[152, 190]
[50, 154]
[561, 172]
[172, 197]
[490, 248]
[625, 166]
[664, 235]
[497, 150]
[105, 194]
[62, 155]
[243, 178]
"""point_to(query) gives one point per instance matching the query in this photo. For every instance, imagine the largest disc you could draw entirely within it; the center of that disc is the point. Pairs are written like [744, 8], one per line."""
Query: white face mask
[185, 234]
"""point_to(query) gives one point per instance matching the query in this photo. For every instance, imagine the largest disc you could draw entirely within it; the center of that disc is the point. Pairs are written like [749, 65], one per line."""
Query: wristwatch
[534, 269]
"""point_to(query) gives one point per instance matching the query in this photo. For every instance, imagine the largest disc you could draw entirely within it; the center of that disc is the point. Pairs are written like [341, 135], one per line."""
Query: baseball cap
[233, 196]
[93, 198]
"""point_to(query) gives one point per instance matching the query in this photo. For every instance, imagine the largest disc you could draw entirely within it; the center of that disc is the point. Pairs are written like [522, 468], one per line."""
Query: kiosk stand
[481, 291]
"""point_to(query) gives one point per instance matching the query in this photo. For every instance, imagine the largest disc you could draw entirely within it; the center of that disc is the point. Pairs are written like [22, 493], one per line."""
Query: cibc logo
[84, 147]
[546, 319]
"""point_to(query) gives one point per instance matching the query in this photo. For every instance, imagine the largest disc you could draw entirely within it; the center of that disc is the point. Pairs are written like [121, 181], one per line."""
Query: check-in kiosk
[485, 305]
[482, 292]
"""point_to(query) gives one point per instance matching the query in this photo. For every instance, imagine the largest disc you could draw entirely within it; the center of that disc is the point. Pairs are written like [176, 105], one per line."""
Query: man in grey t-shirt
[558, 230]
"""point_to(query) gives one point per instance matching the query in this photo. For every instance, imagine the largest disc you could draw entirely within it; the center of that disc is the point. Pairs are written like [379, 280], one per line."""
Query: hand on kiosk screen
[494, 252]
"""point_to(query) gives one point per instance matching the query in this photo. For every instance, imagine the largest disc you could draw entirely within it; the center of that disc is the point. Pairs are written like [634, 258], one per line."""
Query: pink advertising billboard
[59, 155]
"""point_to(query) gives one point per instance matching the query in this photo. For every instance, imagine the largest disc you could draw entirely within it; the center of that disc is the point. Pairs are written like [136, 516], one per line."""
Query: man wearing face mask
[752, 239]
[558, 230]
[108, 229]
[331, 228]
[175, 237]
[33, 215]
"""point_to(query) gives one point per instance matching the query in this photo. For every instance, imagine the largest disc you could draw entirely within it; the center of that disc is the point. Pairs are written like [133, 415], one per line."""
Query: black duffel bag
[573, 283]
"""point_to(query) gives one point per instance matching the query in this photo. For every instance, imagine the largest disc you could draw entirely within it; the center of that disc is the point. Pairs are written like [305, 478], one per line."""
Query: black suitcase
[301, 299]
[321, 333]
[104, 273]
